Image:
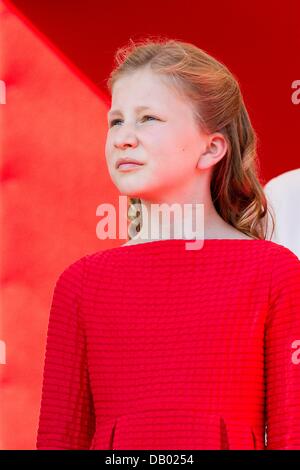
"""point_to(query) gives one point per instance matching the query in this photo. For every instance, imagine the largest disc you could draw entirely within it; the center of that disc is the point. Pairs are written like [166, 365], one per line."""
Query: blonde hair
[218, 106]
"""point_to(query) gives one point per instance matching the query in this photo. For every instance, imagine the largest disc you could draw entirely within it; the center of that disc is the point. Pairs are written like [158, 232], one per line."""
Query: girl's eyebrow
[117, 111]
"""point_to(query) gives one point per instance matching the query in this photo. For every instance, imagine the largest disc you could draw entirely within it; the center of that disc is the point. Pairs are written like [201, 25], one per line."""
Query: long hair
[218, 106]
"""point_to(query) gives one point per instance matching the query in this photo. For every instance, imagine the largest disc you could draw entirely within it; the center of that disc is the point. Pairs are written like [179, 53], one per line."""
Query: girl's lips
[129, 166]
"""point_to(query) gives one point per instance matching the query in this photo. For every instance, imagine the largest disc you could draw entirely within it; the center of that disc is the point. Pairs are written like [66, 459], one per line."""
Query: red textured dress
[153, 346]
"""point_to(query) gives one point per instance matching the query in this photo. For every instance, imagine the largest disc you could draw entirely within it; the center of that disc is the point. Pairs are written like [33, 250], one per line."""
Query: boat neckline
[166, 241]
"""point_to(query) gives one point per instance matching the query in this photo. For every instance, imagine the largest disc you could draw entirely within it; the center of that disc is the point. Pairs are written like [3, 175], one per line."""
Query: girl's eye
[114, 121]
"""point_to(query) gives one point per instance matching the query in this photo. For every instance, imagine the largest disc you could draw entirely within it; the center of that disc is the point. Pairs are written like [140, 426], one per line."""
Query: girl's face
[164, 138]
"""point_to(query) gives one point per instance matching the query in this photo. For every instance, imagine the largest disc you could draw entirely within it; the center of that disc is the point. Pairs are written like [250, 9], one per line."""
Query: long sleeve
[282, 354]
[67, 418]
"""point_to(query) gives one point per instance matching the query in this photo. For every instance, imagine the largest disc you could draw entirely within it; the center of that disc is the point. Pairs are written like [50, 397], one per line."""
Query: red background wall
[56, 57]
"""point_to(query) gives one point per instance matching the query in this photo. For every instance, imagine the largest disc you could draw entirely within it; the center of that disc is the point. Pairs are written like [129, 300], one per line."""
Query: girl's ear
[216, 148]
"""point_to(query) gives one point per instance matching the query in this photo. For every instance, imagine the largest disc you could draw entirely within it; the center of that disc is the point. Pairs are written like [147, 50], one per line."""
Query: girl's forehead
[158, 93]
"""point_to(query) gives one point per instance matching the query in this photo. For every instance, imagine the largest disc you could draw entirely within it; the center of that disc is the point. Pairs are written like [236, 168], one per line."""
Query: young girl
[154, 346]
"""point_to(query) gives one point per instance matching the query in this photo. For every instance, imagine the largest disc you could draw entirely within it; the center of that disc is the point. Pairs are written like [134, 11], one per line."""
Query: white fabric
[283, 196]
